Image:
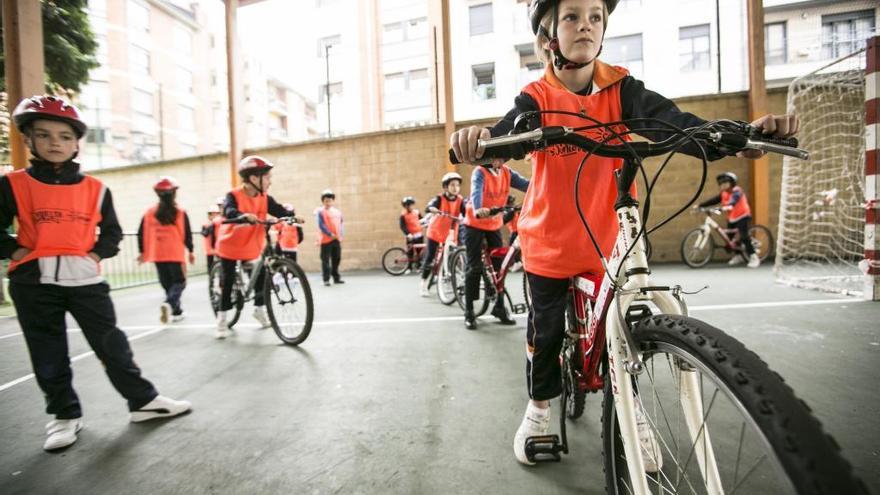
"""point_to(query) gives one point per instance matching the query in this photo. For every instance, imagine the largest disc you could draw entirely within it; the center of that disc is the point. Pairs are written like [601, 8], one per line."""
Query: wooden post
[449, 107]
[23, 47]
[232, 86]
[872, 170]
[759, 170]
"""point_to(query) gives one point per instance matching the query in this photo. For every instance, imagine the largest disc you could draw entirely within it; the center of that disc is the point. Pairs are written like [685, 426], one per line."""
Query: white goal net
[822, 207]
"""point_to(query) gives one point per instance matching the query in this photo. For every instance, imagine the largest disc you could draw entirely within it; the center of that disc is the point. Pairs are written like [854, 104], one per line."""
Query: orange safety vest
[740, 209]
[332, 220]
[496, 188]
[54, 219]
[243, 241]
[553, 241]
[440, 225]
[206, 239]
[288, 237]
[164, 243]
[512, 223]
[411, 218]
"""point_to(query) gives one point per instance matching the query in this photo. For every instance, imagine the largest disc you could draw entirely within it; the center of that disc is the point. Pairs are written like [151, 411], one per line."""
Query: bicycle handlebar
[729, 138]
[243, 220]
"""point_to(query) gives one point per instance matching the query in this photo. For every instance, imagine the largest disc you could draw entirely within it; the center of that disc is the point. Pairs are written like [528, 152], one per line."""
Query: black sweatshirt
[107, 244]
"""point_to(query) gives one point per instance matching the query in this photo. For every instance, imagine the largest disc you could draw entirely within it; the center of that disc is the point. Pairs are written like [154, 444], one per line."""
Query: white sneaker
[652, 455]
[176, 318]
[516, 266]
[261, 316]
[754, 261]
[407, 271]
[62, 433]
[278, 280]
[423, 289]
[164, 313]
[536, 422]
[222, 327]
[736, 260]
[160, 407]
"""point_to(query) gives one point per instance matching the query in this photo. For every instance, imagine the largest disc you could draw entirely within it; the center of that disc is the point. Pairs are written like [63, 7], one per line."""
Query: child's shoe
[160, 407]
[423, 288]
[261, 316]
[222, 327]
[754, 261]
[164, 313]
[535, 423]
[62, 433]
[736, 260]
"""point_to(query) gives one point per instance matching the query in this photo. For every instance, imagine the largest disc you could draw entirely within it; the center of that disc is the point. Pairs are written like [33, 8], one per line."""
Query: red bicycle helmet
[48, 108]
[253, 164]
[166, 184]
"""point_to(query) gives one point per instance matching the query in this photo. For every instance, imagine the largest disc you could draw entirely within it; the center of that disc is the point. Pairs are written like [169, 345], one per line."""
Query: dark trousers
[428, 258]
[173, 281]
[473, 242]
[41, 310]
[331, 253]
[228, 280]
[411, 250]
[286, 254]
[544, 335]
[210, 258]
[742, 225]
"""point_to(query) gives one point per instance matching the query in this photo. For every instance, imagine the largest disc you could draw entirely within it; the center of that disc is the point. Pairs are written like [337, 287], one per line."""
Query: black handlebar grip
[791, 142]
[452, 159]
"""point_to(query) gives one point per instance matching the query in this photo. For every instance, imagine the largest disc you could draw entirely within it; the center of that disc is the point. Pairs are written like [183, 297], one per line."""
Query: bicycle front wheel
[762, 241]
[697, 248]
[288, 299]
[395, 261]
[458, 281]
[445, 285]
[718, 420]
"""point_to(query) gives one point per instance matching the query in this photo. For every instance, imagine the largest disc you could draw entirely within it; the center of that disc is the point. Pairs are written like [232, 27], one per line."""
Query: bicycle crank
[545, 448]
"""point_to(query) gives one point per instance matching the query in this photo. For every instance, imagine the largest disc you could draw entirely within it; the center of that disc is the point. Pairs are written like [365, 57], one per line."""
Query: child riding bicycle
[449, 202]
[410, 225]
[241, 242]
[568, 38]
[733, 200]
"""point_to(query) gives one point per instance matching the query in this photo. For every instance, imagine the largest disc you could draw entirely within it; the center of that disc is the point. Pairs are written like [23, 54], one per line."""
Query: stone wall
[370, 173]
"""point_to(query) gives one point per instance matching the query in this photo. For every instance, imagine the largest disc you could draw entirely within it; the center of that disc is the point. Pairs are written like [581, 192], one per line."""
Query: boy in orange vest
[568, 37]
[490, 187]
[330, 232]
[451, 203]
[209, 235]
[410, 226]
[733, 200]
[54, 268]
[289, 236]
[245, 242]
[163, 235]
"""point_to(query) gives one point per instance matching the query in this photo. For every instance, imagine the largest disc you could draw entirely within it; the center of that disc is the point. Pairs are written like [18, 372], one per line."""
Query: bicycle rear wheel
[288, 299]
[762, 438]
[459, 264]
[395, 261]
[762, 241]
[697, 248]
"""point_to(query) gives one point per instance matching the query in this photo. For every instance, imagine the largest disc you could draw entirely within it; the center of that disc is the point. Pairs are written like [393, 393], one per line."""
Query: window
[775, 52]
[843, 34]
[335, 92]
[417, 28]
[418, 80]
[142, 101]
[96, 136]
[185, 80]
[484, 81]
[329, 41]
[412, 29]
[186, 118]
[527, 58]
[393, 33]
[395, 83]
[139, 60]
[625, 51]
[399, 82]
[693, 48]
[183, 42]
[138, 17]
[481, 19]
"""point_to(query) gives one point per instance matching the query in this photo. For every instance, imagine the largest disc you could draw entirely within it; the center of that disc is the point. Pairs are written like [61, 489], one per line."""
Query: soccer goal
[827, 222]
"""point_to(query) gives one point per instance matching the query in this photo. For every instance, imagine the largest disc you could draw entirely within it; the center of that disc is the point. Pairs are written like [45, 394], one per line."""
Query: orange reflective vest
[440, 225]
[206, 239]
[552, 239]
[496, 188]
[164, 243]
[288, 237]
[512, 223]
[332, 218]
[411, 218]
[53, 219]
[741, 209]
[243, 241]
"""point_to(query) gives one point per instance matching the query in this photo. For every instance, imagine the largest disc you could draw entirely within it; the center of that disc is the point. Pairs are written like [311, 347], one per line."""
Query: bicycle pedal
[519, 308]
[545, 448]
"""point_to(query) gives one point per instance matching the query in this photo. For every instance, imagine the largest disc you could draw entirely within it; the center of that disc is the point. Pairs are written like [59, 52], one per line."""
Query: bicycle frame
[710, 225]
[265, 259]
[498, 278]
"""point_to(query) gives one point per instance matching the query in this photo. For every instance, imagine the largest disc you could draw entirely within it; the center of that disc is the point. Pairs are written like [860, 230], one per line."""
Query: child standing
[54, 268]
[739, 216]
[568, 37]
[289, 236]
[410, 225]
[449, 202]
[209, 235]
[163, 235]
[245, 242]
[330, 231]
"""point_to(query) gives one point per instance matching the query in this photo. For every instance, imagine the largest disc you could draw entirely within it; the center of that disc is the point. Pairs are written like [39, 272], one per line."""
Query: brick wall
[370, 173]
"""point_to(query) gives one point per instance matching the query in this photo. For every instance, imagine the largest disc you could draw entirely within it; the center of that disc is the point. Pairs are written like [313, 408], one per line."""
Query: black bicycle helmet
[538, 9]
[726, 177]
[409, 200]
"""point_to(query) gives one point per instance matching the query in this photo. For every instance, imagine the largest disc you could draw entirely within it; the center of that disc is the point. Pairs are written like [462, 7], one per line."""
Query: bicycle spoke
[702, 427]
[748, 473]
[742, 433]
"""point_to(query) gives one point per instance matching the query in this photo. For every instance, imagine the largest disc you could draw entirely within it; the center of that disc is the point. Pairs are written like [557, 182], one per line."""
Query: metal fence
[123, 270]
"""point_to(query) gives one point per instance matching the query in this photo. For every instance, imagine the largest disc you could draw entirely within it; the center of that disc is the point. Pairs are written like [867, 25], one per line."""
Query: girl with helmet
[54, 268]
[330, 232]
[739, 216]
[410, 225]
[449, 202]
[163, 235]
[209, 234]
[289, 237]
[568, 38]
[245, 242]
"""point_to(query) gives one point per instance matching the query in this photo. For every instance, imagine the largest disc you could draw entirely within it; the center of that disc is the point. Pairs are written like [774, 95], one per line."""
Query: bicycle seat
[499, 252]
